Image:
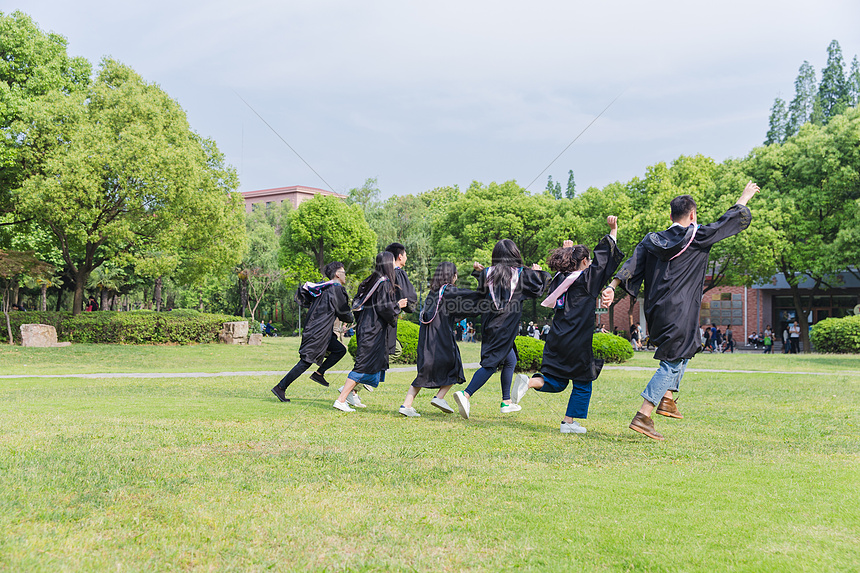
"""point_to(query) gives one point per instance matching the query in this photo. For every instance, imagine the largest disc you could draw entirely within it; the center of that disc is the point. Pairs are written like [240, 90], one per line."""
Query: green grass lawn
[210, 474]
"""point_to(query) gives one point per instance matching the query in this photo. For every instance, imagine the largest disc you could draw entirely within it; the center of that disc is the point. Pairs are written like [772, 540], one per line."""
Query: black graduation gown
[333, 302]
[439, 362]
[374, 323]
[673, 287]
[568, 353]
[499, 328]
[403, 289]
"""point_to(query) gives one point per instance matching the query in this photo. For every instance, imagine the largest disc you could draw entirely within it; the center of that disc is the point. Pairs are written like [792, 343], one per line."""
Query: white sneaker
[409, 412]
[368, 387]
[519, 388]
[442, 405]
[462, 403]
[572, 428]
[509, 408]
[342, 406]
[353, 400]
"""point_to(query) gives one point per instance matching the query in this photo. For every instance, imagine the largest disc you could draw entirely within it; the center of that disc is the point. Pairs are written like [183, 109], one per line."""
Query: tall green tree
[553, 188]
[570, 192]
[325, 229]
[803, 107]
[33, 64]
[810, 184]
[778, 123]
[853, 83]
[833, 90]
[129, 177]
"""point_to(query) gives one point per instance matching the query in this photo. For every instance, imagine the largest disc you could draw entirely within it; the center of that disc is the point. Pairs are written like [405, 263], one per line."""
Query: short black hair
[681, 206]
[396, 249]
[331, 269]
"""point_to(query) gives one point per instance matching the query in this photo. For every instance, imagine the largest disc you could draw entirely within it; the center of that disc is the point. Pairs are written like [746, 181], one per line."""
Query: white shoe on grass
[509, 408]
[409, 412]
[519, 388]
[572, 428]
[342, 406]
[462, 403]
[442, 405]
[353, 400]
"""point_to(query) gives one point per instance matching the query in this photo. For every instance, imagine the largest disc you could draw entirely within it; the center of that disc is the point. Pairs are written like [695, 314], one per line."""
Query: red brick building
[295, 195]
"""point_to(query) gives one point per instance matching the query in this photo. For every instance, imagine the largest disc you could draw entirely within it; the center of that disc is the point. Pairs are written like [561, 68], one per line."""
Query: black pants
[334, 353]
[795, 345]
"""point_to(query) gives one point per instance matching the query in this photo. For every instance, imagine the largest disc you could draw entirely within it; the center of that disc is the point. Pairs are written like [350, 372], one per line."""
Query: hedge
[135, 327]
[407, 334]
[837, 335]
[611, 348]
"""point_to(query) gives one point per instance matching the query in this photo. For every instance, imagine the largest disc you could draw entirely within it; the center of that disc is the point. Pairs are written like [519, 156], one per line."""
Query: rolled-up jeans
[668, 377]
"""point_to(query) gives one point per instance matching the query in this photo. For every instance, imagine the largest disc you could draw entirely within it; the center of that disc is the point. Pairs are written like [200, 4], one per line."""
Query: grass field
[213, 474]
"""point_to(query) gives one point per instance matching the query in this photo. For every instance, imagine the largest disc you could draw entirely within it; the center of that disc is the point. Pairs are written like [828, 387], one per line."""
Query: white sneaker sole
[462, 405]
[444, 406]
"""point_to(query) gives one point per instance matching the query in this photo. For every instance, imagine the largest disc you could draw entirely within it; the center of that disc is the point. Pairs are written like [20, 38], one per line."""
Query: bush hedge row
[837, 335]
[136, 327]
[611, 348]
[407, 334]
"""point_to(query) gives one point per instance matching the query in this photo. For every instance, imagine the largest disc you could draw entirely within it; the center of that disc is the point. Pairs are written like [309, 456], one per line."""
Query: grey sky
[444, 93]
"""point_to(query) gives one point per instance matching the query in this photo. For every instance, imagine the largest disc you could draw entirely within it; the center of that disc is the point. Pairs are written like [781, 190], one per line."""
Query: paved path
[404, 369]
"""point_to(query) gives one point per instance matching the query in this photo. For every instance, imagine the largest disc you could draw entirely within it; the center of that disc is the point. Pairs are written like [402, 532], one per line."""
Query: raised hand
[478, 266]
[567, 244]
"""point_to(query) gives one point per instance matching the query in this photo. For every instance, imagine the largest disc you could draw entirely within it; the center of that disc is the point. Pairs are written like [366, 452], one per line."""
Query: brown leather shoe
[645, 425]
[669, 408]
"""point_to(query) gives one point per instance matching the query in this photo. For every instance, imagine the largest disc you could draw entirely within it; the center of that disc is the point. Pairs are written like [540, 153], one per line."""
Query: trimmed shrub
[137, 327]
[611, 348]
[407, 334]
[529, 353]
[837, 335]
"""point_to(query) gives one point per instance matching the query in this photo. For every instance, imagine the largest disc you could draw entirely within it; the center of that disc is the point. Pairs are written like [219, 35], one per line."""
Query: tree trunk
[243, 294]
[146, 298]
[105, 299]
[44, 306]
[78, 305]
[59, 306]
[15, 291]
[157, 294]
[801, 317]
[8, 326]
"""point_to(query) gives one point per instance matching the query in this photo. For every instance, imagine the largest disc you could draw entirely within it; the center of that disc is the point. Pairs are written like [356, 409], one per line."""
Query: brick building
[295, 195]
[752, 309]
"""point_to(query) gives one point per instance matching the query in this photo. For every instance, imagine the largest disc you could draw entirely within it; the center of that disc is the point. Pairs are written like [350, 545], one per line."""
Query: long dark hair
[443, 275]
[567, 259]
[384, 268]
[505, 255]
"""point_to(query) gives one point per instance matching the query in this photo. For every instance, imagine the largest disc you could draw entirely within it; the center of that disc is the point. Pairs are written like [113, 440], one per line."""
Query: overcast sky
[421, 95]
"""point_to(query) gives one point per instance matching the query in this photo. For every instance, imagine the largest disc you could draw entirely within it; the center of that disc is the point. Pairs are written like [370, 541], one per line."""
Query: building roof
[297, 189]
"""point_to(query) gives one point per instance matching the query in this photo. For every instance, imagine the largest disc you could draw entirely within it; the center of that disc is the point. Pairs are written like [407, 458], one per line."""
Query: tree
[322, 230]
[570, 193]
[32, 65]
[811, 185]
[833, 90]
[853, 83]
[15, 264]
[778, 124]
[129, 177]
[553, 189]
[802, 107]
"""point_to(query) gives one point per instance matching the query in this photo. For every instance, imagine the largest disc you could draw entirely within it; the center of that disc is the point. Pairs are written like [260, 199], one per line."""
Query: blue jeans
[483, 374]
[580, 394]
[368, 379]
[668, 377]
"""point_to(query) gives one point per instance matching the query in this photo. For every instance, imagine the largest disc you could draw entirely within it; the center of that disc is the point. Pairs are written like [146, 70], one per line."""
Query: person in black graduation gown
[505, 286]
[320, 345]
[439, 362]
[378, 315]
[672, 264]
[402, 289]
[568, 355]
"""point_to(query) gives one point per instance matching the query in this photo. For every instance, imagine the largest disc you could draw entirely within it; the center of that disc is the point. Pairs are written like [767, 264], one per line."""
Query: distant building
[295, 195]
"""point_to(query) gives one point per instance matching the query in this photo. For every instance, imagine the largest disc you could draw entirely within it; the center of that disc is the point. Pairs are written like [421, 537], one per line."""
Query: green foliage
[138, 327]
[611, 348]
[529, 353]
[833, 90]
[837, 335]
[322, 230]
[407, 334]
